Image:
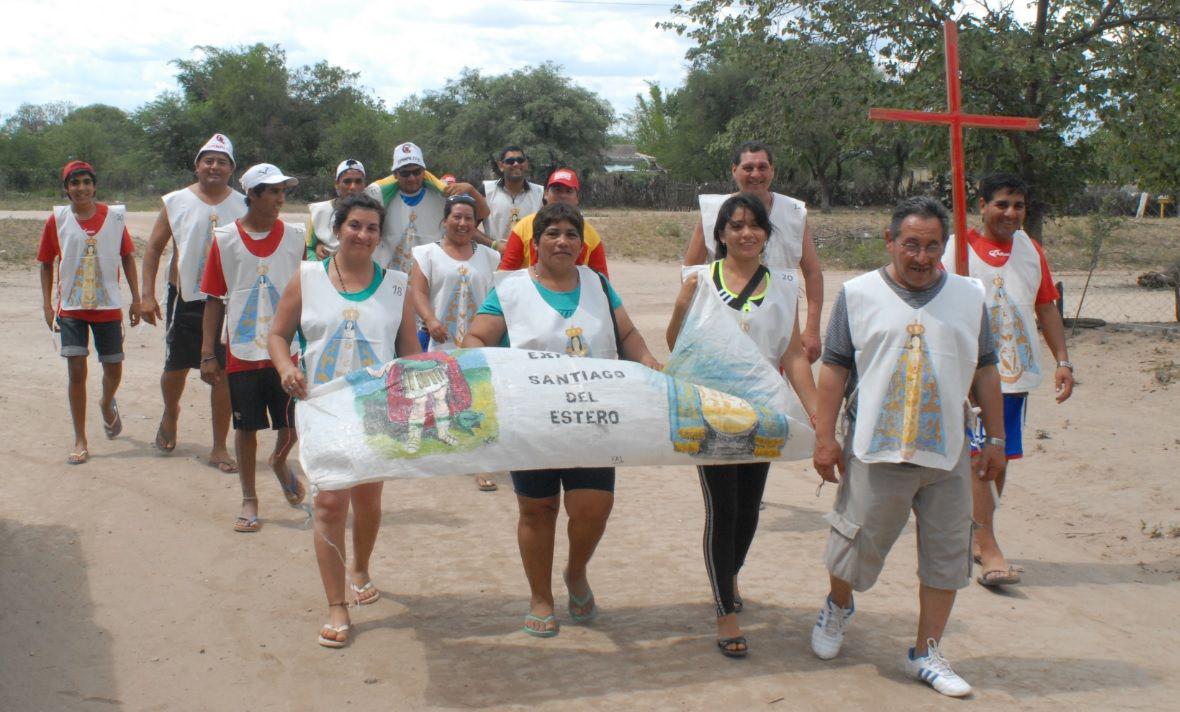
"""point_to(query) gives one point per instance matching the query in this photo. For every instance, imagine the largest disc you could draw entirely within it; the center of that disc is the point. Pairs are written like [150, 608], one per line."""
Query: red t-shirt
[50, 251]
[996, 254]
[213, 283]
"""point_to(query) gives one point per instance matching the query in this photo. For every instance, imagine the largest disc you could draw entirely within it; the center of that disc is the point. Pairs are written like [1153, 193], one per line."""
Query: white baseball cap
[266, 174]
[218, 143]
[407, 154]
[349, 164]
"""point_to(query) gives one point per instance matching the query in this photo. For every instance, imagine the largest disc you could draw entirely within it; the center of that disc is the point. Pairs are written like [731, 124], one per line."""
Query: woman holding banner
[350, 314]
[560, 307]
[763, 303]
[450, 279]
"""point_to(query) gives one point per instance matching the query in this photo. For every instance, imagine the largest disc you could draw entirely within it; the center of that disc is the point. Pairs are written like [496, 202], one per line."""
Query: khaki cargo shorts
[873, 504]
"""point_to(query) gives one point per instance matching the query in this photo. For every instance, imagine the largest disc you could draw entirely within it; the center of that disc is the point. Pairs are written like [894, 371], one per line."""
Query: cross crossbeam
[956, 121]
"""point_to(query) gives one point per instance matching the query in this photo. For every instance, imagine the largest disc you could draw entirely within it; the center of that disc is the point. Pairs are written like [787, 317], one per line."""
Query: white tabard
[406, 227]
[342, 334]
[533, 324]
[914, 368]
[769, 324]
[254, 286]
[788, 217]
[506, 210]
[1011, 295]
[457, 287]
[89, 271]
[192, 222]
[321, 223]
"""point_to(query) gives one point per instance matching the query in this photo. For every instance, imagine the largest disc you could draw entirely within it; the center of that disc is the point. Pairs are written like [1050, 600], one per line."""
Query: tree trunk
[1034, 219]
[825, 192]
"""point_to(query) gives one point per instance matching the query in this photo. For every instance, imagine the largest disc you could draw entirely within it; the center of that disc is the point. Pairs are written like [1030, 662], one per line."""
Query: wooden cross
[956, 120]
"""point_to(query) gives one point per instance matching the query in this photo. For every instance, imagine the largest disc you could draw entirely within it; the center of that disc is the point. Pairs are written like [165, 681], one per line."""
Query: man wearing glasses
[321, 241]
[510, 198]
[413, 200]
[905, 345]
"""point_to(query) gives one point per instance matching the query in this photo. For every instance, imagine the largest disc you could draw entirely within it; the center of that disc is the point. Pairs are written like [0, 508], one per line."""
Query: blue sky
[119, 52]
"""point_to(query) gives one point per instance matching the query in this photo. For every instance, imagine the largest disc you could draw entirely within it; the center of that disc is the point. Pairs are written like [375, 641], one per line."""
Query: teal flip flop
[588, 616]
[543, 621]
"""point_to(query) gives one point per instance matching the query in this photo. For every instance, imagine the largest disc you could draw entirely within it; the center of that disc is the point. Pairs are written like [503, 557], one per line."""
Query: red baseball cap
[448, 179]
[566, 177]
[74, 167]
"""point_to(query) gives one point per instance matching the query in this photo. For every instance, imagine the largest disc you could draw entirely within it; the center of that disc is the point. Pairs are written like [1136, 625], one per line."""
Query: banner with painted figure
[480, 410]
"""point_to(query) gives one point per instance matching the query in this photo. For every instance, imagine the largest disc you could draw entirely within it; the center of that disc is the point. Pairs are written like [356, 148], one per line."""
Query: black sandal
[723, 644]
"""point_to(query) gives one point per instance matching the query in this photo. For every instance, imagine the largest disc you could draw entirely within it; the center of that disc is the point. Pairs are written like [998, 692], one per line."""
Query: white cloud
[120, 52]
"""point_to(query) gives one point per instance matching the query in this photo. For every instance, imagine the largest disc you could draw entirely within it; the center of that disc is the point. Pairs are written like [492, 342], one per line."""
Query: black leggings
[732, 496]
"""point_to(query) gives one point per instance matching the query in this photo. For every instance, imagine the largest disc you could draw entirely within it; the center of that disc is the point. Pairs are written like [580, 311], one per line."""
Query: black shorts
[252, 394]
[183, 324]
[75, 338]
[541, 484]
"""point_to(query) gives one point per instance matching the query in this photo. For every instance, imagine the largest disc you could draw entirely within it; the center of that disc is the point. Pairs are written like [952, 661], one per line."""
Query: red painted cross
[956, 120]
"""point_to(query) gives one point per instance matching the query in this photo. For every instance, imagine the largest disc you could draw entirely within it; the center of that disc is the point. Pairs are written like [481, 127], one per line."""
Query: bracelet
[208, 358]
[994, 441]
[1065, 364]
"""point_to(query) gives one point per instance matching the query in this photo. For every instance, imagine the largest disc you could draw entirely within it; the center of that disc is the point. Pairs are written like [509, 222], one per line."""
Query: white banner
[491, 409]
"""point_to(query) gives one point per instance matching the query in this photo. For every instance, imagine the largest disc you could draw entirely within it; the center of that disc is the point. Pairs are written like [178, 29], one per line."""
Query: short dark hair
[357, 201]
[752, 147]
[924, 207]
[256, 191]
[733, 204]
[510, 149]
[457, 199]
[991, 183]
[554, 213]
[93, 178]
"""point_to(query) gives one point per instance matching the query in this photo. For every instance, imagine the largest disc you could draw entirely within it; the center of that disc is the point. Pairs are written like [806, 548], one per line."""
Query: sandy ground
[123, 585]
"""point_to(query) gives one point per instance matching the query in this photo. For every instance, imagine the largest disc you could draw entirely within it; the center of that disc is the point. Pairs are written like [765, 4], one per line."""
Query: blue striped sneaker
[934, 670]
[828, 634]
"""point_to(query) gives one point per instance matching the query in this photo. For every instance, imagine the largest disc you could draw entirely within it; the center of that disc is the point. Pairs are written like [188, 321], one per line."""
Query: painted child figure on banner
[449, 282]
[321, 238]
[251, 262]
[1020, 296]
[763, 303]
[88, 242]
[413, 200]
[791, 245]
[905, 345]
[537, 309]
[346, 292]
[187, 220]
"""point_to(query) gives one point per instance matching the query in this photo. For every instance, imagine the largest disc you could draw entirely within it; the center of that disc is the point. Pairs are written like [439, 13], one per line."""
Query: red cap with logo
[74, 167]
[566, 177]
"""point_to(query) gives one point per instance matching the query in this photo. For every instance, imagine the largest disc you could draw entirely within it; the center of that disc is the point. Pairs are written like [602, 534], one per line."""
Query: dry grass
[851, 238]
[19, 240]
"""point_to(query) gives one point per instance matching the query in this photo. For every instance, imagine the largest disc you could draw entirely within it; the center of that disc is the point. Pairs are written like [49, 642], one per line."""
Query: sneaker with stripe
[828, 634]
[934, 670]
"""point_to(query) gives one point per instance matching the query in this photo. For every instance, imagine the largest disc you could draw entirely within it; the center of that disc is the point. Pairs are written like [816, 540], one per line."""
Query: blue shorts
[424, 339]
[1015, 411]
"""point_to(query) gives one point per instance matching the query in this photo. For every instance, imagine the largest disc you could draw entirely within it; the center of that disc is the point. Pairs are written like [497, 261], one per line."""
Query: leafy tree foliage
[1067, 65]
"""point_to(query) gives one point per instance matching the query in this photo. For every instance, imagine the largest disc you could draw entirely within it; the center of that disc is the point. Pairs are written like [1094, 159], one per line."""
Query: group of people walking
[409, 263]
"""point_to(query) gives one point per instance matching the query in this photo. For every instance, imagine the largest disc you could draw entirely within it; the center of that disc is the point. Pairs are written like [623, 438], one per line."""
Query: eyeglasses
[514, 160]
[913, 249]
[409, 173]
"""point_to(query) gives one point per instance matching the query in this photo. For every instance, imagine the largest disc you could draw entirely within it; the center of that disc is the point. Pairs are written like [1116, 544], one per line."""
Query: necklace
[339, 276]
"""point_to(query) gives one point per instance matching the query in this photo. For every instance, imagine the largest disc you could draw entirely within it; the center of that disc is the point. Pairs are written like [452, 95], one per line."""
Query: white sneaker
[934, 670]
[828, 634]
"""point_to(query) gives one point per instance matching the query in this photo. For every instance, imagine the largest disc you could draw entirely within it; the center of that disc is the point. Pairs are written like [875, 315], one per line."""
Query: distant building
[623, 158]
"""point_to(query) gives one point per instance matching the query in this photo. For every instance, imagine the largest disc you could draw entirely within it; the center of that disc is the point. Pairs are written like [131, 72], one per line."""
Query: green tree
[1062, 66]
[463, 126]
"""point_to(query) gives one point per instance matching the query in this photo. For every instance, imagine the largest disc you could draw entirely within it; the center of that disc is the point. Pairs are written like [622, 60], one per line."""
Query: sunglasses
[461, 198]
[514, 160]
[409, 172]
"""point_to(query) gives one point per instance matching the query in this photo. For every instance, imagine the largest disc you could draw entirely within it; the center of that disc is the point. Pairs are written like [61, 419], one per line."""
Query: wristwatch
[1065, 364]
[994, 441]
